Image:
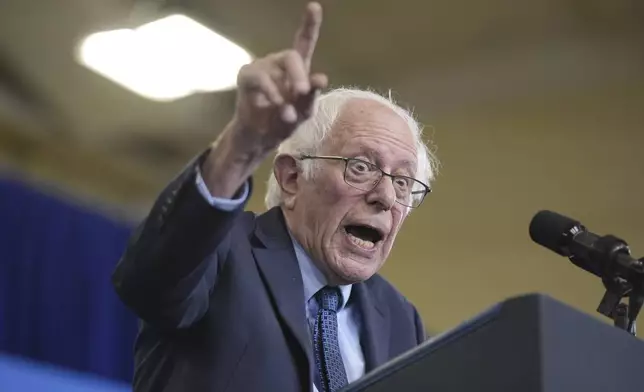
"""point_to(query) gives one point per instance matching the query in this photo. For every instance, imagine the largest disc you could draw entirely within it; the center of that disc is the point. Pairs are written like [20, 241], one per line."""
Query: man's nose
[383, 195]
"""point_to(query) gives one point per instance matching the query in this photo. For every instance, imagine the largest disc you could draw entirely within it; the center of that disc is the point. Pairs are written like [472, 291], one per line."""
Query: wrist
[247, 143]
[230, 162]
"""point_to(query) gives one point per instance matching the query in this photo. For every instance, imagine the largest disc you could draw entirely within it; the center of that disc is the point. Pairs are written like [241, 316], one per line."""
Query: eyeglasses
[365, 176]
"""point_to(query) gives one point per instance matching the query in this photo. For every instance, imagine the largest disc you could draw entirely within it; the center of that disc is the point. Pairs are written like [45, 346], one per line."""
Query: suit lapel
[280, 270]
[375, 327]
[278, 264]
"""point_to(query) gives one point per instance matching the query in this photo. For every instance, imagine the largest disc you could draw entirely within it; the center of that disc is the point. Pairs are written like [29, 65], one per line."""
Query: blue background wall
[56, 300]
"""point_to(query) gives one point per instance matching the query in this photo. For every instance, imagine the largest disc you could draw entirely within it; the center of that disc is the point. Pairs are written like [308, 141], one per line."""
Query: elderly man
[289, 300]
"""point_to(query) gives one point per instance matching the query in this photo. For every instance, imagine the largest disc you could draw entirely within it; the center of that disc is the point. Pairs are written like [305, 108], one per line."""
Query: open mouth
[363, 235]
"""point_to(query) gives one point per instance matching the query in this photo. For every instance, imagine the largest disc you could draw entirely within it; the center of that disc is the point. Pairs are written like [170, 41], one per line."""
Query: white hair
[310, 135]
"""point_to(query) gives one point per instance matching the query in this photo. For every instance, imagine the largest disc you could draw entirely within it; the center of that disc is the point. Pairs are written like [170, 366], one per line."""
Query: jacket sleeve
[172, 260]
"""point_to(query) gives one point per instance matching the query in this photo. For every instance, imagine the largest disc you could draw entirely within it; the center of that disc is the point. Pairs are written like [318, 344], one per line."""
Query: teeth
[360, 242]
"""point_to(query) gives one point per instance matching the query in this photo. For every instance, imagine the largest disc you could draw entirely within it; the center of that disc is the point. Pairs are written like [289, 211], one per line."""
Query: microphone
[607, 257]
[602, 256]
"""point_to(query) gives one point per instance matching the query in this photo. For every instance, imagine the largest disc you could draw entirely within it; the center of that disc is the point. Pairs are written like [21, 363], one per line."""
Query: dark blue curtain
[56, 301]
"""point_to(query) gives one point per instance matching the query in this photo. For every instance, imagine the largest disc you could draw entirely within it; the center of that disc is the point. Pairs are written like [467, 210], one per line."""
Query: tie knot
[329, 298]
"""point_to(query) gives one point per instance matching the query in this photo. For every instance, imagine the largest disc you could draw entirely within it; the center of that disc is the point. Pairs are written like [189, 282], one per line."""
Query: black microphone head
[553, 230]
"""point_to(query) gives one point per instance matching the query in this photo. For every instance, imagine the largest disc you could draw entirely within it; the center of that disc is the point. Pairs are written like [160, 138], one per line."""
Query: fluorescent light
[164, 60]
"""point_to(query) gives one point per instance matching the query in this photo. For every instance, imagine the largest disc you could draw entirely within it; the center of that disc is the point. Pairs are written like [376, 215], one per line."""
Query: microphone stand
[617, 287]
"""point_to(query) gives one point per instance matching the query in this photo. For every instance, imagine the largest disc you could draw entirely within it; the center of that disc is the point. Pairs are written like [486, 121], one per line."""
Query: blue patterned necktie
[325, 337]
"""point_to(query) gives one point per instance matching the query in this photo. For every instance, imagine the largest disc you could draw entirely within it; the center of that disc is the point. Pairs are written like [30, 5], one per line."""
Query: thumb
[305, 104]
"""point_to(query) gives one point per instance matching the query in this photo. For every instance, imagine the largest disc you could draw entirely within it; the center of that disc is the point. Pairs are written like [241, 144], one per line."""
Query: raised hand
[276, 93]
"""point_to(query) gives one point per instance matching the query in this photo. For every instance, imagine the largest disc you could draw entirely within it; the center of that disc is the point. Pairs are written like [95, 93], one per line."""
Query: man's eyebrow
[373, 154]
[409, 166]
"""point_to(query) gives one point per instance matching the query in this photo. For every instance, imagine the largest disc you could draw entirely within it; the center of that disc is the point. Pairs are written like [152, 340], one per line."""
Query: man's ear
[287, 173]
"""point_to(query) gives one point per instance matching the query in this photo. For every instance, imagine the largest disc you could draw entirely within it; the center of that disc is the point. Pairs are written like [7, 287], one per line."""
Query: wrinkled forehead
[368, 124]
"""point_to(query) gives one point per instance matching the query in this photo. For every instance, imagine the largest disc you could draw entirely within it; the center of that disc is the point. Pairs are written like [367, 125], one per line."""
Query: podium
[530, 343]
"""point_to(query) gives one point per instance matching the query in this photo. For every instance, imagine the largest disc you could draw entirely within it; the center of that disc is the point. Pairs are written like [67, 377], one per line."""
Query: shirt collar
[312, 277]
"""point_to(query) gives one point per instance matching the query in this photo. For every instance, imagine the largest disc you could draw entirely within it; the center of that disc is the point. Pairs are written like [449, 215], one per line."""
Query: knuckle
[243, 71]
[255, 65]
[262, 77]
[291, 55]
[253, 75]
[247, 72]
[273, 58]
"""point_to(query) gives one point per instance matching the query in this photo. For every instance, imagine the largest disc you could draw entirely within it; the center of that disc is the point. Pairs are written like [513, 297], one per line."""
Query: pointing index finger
[307, 35]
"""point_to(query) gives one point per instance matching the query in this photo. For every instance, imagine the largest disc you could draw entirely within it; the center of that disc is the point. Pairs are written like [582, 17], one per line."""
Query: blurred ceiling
[532, 104]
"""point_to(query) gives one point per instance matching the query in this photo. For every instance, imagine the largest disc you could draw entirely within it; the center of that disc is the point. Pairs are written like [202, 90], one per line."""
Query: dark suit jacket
[220, 298]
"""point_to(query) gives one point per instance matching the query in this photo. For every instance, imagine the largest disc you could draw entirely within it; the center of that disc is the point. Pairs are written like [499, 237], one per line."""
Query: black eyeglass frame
[383, 174]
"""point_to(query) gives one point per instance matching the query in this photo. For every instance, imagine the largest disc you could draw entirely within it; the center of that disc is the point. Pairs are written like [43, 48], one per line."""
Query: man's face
[349, 232]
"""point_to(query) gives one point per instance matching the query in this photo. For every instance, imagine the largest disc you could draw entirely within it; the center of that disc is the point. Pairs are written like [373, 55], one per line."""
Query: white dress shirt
[348, 315]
